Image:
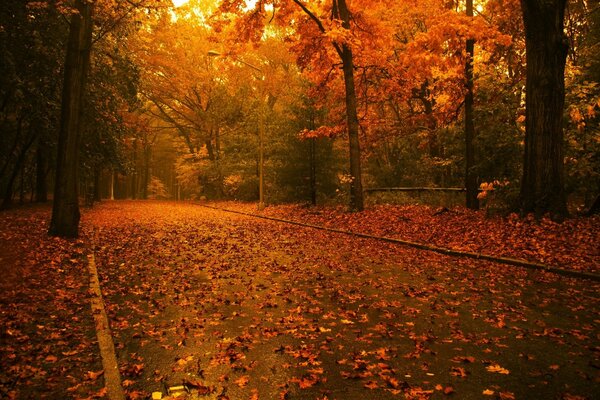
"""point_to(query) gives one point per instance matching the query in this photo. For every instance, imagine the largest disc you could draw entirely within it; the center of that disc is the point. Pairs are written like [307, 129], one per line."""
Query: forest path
[240, 307]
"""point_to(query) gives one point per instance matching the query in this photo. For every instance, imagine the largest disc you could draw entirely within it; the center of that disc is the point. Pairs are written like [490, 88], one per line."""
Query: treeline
[185, 103]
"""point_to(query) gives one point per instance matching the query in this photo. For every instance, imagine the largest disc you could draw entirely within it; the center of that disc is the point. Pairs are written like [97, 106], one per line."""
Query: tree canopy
[348, 94]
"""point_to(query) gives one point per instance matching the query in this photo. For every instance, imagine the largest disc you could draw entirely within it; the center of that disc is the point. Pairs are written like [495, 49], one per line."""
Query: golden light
[179, 3]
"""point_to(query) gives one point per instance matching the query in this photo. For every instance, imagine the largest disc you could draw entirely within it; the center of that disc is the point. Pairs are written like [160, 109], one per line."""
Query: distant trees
[31, 52]
[383, 87]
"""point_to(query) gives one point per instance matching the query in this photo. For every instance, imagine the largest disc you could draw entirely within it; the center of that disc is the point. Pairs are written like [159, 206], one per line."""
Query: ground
[238, 307]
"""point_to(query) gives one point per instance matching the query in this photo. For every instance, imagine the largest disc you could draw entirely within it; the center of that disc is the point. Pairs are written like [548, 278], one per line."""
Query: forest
[294, 199]
[290, 103]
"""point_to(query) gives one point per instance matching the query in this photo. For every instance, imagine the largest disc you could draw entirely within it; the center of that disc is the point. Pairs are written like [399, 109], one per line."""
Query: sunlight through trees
[354, 95]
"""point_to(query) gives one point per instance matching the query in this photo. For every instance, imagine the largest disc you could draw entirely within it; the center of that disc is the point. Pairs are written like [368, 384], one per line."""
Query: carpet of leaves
[572, 244]
[48, 345]
[242, 308]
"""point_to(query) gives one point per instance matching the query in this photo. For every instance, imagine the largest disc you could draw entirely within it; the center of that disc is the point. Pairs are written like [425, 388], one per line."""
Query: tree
[31, 44]
[65, 209]
[470, 178]
[340, 12]
[323, 22]
[542, 186]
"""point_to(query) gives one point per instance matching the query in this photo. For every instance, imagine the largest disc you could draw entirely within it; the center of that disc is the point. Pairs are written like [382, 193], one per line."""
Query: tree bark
[313, 172]
[65, 210]
[340, 11]
[15, 145]
[470, 178]
[134, 174]
[97, 176]
[542, 186]
[146, 176]
[41, 170]
[356, 191]
[7, 200]
[112, 184]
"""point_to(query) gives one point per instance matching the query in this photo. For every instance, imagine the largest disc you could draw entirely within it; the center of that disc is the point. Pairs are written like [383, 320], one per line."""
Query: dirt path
[239, 308]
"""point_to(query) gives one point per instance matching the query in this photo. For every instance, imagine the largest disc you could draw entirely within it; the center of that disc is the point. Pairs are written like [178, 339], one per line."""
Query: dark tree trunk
[111, 190]
[13, 148]
[41, 170]
[340, 12]
[146, 177]
[134, 175]
[218, 143]
[542, 187]
[470, 177]
[595, 207]
[356, 192]
[65, 210]
[313, 172]
[97, 176]
[19, 165]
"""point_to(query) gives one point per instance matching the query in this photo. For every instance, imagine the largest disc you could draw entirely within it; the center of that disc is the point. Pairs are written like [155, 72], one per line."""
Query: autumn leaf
[136, 395]
[91, 375]
[306, 381]
[371, 385]
[497, 368]
[242, 381]
[463, 359]
[103, 392]
[458, 371]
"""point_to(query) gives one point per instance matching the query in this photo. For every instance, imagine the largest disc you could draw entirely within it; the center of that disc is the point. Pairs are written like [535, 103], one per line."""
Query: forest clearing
[236, 307]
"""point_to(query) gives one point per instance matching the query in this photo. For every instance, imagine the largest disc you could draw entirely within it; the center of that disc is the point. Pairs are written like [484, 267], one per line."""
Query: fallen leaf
[94, 375]
[498, 369]
[242, 381]
[371, 385]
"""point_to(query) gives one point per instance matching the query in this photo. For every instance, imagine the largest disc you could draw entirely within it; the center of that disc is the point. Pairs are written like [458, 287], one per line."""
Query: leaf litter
[255, 308]
[235, 308]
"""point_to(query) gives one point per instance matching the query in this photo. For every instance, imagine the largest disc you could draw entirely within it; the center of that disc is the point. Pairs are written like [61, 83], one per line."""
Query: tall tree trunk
[134, 175]
[65, 210]
[542, 187]
[22, 186]
[112, 184]
[19, 165]
[14, 146]
[41, 170]
[146, 181]
[340, 11]
[470, 178]
[97, 176]
[356, 192]
[218, 143]
[313, 172]
[313, 161]
[261, 157]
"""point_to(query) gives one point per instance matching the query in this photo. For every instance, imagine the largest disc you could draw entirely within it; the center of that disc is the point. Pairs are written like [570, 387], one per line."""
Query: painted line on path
[112, 378]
